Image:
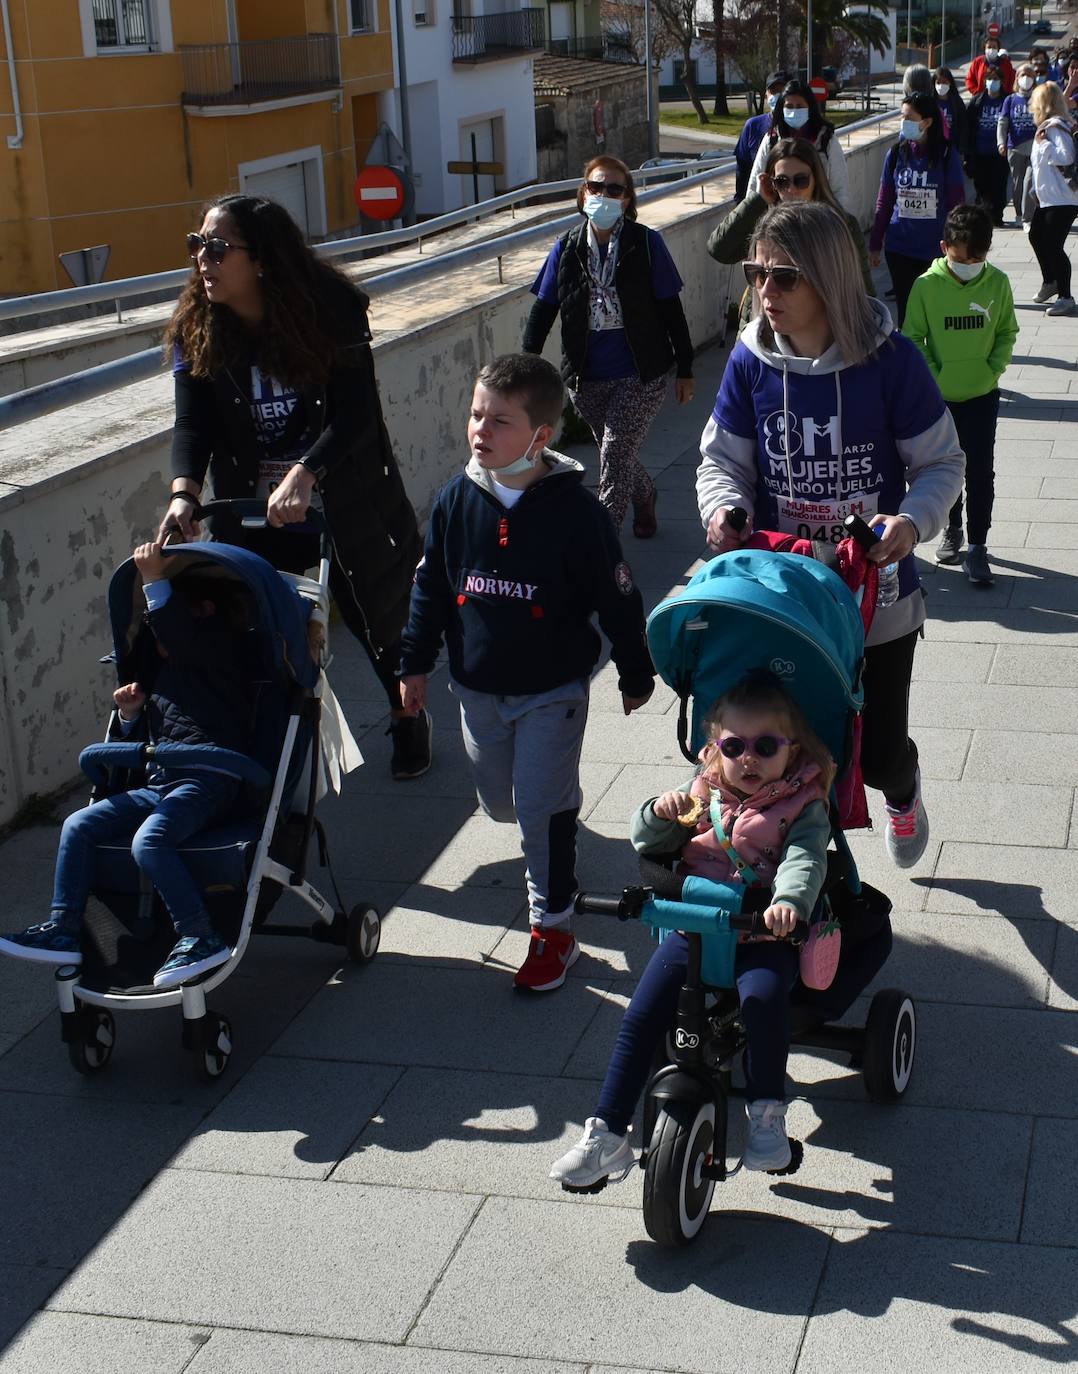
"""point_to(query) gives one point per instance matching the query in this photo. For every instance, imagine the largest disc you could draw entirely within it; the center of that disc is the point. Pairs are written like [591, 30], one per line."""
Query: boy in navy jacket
[518, 557]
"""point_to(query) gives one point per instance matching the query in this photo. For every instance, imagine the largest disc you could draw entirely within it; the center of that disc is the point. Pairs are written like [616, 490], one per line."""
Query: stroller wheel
[890, 1045]
[677, 1191]
[211, 1059]
[91, 1051]
[363, 934]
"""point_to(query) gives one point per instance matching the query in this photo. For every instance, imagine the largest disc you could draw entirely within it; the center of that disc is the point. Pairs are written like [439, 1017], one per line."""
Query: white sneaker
[1047, 291]
[599, 1156]
[1064, 306]
[907, 830]
[767, 1147]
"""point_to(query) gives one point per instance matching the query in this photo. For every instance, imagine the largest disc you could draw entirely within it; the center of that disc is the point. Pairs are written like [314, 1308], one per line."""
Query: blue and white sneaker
[48, 943]
[191, 955]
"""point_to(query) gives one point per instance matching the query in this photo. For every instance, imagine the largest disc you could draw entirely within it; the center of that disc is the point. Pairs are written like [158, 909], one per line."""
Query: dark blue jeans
[765, 973]
[156, 820]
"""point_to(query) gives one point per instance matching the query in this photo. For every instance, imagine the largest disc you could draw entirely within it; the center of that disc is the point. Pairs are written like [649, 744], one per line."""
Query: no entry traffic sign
[379, 193]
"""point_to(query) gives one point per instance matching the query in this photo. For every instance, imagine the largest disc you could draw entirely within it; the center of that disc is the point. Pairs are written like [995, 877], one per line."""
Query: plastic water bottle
[887, 586]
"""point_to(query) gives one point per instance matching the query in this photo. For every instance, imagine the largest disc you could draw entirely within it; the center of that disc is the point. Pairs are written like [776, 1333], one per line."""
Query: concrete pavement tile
[444, 1130]
[609, 948]
[320, 1259]
[635, 784]
[449, 925]
[1063, 987]
[968, 959]
[1058, 488]
[1021, 756]
[1058, 596]
[1009, 484]
[999, 707]
[1023, 815]
[1024, 626]
[1009, 448]
[611, 738]
[1003, 880]
[24, 1288]
[255, 1352]
[592, 1053]
[1025, 563]
[386, 844]
[942, 661]
[63, 1343]
[113, 1148]
[640, 1304]
[290, 1117]
[1050, 1215]
[1034, 666]
[965, 1306]
[942, 753]
[969, 1057]
[454, 1018]
[27, 995]
[949, 589]
[1046, 536]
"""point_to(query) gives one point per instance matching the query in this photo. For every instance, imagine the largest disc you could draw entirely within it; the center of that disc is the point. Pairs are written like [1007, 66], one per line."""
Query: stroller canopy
[279, 612]
[754, 610]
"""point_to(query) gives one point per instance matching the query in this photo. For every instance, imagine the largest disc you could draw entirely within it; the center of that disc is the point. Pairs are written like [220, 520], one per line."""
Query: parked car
[1042, 26]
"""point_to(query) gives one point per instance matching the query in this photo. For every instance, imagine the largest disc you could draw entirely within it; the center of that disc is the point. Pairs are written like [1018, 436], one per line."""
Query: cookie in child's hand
[695, 814]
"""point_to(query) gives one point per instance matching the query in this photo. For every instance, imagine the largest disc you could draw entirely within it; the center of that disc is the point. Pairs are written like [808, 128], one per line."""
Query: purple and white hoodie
[872, 439]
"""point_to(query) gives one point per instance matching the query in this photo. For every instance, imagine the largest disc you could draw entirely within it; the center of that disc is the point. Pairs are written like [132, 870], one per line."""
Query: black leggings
[1048, 239]
[904, 272]
[888, 755]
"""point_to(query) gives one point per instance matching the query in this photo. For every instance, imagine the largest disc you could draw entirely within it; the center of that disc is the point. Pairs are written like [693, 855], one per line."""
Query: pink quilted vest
[756, 826]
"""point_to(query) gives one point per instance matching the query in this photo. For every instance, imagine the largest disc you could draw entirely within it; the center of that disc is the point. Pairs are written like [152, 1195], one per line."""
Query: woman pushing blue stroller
[767, 936]
[220, 704]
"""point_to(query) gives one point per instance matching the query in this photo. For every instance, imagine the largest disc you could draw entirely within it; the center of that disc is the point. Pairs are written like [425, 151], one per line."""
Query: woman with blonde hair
[622, 332]
[1057, 196]
[826, 411]
[794, 170]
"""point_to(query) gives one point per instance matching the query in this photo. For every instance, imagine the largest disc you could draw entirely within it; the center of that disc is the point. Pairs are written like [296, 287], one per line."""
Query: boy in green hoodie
[961, 316]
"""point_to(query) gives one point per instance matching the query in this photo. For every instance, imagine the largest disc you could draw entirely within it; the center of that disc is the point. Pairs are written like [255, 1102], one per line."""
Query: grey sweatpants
[525, 757]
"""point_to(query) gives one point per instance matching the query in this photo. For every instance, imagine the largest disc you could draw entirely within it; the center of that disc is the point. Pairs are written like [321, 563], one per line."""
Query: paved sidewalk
[367, 1191]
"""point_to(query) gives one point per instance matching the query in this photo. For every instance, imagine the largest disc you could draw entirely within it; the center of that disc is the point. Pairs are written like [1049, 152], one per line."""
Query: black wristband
[184, 496]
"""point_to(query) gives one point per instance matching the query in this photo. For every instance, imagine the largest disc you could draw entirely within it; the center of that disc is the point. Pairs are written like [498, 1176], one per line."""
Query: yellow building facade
[120, 119]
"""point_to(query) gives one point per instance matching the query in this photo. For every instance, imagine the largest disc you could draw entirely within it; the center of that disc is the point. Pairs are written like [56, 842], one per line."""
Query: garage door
[287, 186]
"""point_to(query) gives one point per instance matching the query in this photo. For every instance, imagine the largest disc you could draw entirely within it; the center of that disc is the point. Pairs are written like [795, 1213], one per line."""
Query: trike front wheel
[677, 1189]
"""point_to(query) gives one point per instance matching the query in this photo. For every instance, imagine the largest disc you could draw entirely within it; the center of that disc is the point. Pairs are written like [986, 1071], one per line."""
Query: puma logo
[985, 310]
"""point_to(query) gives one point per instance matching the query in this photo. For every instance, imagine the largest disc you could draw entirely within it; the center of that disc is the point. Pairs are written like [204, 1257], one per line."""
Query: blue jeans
[156, 820]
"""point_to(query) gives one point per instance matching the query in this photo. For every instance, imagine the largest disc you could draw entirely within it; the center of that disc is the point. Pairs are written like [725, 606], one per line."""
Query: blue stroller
[242, 864]
[794, 618]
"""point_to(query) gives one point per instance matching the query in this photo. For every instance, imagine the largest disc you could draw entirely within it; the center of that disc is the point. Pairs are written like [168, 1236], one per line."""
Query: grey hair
[917, 78]
[817, 239]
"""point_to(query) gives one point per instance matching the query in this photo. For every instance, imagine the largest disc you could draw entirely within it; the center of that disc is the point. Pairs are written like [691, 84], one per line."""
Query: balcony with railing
[592, 48]
[485, 37]
[254, 73]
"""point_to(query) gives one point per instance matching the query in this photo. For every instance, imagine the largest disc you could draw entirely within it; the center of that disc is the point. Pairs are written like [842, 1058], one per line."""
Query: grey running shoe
[767, 1147]
[977, 567]
[1064, 306]
[1047, 291]
[949, 549]
[907, 830]
[598, 1157]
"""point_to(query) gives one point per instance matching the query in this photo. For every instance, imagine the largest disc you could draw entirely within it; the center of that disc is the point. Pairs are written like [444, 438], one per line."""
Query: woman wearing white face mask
[920, 184]
[983, 161]
[622, 330]
[994, 57]
[797, 115]
[1014, 135]
[952, 106]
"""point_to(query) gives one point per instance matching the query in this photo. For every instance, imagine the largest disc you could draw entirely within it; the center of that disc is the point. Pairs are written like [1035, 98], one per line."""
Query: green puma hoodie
[966, 330]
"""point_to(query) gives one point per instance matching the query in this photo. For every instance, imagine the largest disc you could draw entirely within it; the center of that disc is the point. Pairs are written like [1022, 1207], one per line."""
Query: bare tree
[678, 18]
[623, 22]
[752, 34]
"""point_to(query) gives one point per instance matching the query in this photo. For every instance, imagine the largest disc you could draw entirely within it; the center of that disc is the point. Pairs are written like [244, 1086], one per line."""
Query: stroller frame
[87, 1025]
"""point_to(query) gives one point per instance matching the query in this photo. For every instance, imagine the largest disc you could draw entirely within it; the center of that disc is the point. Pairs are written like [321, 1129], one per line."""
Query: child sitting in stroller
[756, 813]
[200, 694]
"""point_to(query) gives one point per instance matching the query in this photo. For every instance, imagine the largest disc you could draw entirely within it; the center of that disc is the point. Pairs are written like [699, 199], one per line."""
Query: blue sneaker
[48, 943]
[191, 955]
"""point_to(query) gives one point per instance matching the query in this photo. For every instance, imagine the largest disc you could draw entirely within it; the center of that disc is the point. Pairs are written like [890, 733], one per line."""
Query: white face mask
[796, 118]
[965, 271]
[1025, 83]
[991, 53]
[942, 88]
[524, 463]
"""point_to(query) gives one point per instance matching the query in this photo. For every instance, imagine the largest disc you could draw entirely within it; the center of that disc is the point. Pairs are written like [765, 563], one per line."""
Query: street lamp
[647, 75]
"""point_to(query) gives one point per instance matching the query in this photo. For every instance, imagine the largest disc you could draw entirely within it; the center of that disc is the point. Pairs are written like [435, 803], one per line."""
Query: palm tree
[831, 17]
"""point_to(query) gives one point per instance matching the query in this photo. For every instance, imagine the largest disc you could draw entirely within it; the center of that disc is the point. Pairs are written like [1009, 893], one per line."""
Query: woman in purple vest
[622, 330]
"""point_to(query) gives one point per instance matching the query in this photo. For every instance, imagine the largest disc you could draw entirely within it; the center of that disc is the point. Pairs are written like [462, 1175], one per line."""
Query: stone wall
[623, 97]
[78, 489]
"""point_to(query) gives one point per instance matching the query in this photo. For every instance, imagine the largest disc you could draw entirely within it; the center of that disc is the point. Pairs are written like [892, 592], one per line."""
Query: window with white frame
[122, 24]
[360, 15]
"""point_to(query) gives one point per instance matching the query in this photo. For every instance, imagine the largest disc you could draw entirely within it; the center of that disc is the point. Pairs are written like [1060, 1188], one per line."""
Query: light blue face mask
[911, 130]
[603, 211]
[796, 118]
[994, 87]
[525, 462]
[772, 100]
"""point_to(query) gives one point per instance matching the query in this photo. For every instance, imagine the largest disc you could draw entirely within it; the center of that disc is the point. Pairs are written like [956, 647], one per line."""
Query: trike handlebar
[630, 904]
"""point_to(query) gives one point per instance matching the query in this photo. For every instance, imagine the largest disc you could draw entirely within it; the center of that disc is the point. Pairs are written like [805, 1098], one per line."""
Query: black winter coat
[376, 543]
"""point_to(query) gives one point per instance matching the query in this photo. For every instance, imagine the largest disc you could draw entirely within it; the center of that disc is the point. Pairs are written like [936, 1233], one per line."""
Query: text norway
[481, 585]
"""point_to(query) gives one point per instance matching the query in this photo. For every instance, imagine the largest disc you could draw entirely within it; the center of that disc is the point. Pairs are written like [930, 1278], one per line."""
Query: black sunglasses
[606, 188]
[216, 249]
[785, 278]
[801, 180]
[763, 746]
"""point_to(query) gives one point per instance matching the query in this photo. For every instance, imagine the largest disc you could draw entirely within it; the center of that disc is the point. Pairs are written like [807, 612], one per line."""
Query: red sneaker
[551, 953]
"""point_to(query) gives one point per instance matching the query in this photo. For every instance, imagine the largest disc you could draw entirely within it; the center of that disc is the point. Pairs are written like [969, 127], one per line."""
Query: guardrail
[81, 386]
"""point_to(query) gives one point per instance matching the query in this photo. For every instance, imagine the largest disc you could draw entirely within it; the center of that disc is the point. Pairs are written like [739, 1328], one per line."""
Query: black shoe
[411, 745]
[949, 549]
[977, 567]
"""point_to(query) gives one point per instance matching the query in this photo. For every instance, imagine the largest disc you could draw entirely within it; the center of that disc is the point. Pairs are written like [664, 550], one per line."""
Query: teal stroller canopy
[754, 610]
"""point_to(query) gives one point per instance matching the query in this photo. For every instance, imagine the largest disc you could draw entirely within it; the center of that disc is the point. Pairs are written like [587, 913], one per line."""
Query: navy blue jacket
[512, 592]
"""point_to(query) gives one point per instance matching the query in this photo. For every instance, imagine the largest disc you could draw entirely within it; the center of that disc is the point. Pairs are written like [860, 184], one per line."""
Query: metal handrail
[125, 288]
